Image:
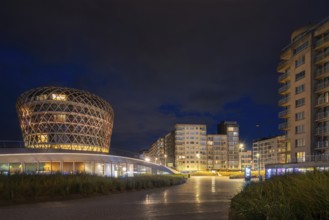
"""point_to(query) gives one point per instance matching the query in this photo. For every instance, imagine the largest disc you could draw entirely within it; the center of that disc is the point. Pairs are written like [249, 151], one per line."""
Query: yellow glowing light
[59, 97]
[42, 138]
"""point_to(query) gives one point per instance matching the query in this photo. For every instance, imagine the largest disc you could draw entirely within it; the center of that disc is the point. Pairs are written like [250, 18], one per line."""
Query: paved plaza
[200, 198]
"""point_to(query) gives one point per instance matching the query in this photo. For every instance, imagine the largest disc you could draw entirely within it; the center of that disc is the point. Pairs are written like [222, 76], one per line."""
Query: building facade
[68, 131]
[269, 151]
[217, 152]
[245, 159]
[304, 78]
[231, 130]
[156, 152]
[65, 119]
[189, 148]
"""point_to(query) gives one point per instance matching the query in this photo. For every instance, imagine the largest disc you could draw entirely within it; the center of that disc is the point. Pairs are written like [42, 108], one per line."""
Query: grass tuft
[29, 188]
[294, 196]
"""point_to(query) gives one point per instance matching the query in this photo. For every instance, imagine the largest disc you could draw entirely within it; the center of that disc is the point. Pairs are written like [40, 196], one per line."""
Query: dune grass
[27, 188]
[295, 196]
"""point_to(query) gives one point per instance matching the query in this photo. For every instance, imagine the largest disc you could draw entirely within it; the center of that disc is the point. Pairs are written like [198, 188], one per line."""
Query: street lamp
[147, 159]
[155, 160]
[258, 158]
[241, 148]
[198, 156]
[165, 156]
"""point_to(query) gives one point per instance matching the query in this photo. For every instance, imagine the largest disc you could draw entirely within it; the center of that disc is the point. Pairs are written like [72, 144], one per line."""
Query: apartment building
[217, 151]
[190, 147]
[169, 149]
[304, 78]
[156, 152]
[269, 150]
[231, 130]
[245, 159]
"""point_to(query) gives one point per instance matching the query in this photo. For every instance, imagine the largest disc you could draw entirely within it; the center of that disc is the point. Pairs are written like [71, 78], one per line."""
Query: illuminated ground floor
[70, 162]
[281, 169]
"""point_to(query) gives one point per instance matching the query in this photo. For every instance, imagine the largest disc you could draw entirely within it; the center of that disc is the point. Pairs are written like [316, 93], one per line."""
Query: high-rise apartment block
[231, 130]
[245, 159]
[270, 150]
[216, 151]
[190, 148]
[162, 151]
[304, 79]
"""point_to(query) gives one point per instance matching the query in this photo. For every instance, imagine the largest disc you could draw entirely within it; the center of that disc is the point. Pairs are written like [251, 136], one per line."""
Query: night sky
[157, 62]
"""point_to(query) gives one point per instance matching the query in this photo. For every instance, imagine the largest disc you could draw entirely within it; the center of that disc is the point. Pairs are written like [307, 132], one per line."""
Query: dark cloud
[157, 62]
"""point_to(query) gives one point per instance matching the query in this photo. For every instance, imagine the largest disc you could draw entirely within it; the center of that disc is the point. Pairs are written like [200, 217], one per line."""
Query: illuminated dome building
[68, 131]
[65, 119]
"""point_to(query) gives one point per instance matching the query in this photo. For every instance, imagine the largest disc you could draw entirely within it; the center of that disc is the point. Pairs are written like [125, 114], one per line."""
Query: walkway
[199, 198]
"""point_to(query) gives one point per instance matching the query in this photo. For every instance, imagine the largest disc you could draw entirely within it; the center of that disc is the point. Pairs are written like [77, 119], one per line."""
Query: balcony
[321, 86]
[283, 66]
[322, 57]
[284, 77]
[284, 126]
[322, 102]
[322, 115]
[322, 144]
[322, 130]
[322, 42]
[322, 72]
[284, 101]
[284, 114]
[284, 89]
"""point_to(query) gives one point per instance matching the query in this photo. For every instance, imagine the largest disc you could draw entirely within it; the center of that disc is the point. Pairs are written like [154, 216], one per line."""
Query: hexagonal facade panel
[65, 118]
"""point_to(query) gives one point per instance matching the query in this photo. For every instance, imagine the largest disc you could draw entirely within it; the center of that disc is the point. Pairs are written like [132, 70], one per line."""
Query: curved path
[200, 198]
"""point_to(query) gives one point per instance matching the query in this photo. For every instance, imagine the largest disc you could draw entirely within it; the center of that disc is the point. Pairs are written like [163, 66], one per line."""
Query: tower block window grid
[65, 118]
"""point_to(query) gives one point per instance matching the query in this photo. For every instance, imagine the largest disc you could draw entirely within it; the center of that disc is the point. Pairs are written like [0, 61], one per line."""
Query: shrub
[23, 187]
[295, 196]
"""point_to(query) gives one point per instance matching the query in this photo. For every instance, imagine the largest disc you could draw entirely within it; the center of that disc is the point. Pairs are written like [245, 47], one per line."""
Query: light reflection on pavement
[199, 198]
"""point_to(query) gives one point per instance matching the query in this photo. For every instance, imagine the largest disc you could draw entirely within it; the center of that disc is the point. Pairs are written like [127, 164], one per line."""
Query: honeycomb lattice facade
[65, 118]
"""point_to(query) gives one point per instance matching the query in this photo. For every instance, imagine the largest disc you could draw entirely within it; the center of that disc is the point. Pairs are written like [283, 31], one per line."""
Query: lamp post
[165, 156]
[155, 160]
[241, 148]
[198, 156]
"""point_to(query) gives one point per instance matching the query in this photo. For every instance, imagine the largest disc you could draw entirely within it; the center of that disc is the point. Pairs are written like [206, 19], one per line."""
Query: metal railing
[322, 71]
[322, 144]
[283, 113]
[322, 40]
[322, 130]
[283, 76]
[284, 88]
[321, 55]
[322, 115]
[284, 100]
[322, 85]
[322, 101]
[283, 125]
[311, 158]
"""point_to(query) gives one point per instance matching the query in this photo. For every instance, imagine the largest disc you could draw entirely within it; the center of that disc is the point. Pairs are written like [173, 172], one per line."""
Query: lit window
[42, 138]
[300, 156]
[41, 97]
[230, 129]
[59, 97]
[25, 111]
[59, 118]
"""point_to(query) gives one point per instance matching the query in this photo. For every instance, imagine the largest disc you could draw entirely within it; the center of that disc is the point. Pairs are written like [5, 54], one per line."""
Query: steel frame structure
[65, 118]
